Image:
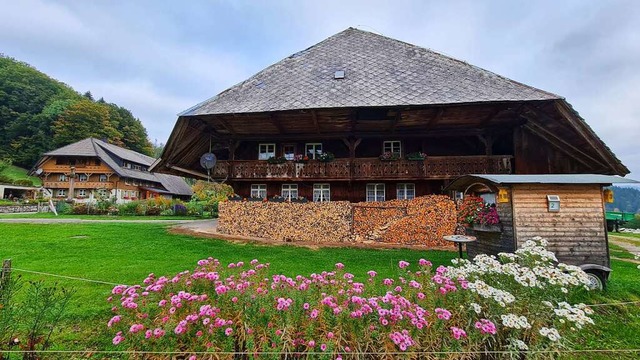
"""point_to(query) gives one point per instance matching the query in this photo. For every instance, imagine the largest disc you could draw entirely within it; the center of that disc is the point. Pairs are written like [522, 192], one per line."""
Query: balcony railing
[79, 184]
[433, 167]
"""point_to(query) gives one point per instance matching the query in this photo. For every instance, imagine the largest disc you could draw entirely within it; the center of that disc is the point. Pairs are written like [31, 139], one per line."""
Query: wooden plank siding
[492, 243]
[576, 233]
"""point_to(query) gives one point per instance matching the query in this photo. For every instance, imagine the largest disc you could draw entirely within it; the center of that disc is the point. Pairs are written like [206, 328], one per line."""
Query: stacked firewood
[288, 222]
[422, 221]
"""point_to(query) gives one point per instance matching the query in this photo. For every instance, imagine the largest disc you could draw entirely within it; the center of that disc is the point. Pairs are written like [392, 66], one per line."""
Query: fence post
[5, 273]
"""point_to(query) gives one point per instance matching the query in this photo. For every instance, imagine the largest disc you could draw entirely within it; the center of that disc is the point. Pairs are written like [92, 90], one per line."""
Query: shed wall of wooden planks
[576, 233]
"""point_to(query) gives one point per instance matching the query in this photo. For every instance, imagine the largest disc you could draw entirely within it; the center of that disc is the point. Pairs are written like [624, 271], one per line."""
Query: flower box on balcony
[416, 156]
[495, 228]
[277, 199]
[388, 156]
[326, 157]
[277, 160]
[300, 200]
[256, 199]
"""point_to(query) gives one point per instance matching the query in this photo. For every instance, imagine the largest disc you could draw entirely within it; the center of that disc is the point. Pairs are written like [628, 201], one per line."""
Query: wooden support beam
[274, 120]
[435, 119]
[227, 125]
[394, 122]
[487, 140]
[562, 145]
[187, 171]
[587, 134]
[314, 116]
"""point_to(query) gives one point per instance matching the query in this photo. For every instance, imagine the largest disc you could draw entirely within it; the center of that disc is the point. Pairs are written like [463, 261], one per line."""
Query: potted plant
[256, 198]
[277, 160]
[300, 200]
[416, 156]
[326, 157]
[389, 156]
[277, 198]
[300, 159]
[488, 220]
[234, 197]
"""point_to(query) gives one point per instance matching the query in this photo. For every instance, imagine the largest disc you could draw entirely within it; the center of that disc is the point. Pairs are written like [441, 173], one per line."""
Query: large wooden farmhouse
[91, 169]
[360, 116]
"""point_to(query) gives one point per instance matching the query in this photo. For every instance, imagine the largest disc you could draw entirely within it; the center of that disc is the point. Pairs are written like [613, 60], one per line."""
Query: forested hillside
[39, 114]
[625, 199]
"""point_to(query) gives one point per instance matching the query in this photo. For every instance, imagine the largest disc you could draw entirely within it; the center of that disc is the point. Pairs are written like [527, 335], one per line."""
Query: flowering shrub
[513, 304]
[416, 156]
[326, 156]
[473, 210]
[389, 156]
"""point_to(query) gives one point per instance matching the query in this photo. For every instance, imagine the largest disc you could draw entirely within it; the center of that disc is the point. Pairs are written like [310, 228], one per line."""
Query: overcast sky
[158, 58]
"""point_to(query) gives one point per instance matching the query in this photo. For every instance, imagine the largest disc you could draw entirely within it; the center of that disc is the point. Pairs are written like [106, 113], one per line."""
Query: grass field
[127, 252]
[17, 173]
[49, 215]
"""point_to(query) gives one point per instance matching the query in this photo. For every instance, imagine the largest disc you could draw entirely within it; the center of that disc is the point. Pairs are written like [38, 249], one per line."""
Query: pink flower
[330, 335]
[340, 266]
[118, 338]
[443, 314]
[192, 357]
[458, 333]
[323, 347]
[423, 262]
[311, 343]
[403, 264]
[372, 273]
[228, 331]
[113, 320]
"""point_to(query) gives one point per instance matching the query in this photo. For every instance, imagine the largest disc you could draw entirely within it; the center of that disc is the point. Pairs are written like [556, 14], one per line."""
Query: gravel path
[623, 242]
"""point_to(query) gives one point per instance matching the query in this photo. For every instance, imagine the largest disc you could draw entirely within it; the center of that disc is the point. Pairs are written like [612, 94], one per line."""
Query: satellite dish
[39, 171]
[208, 161]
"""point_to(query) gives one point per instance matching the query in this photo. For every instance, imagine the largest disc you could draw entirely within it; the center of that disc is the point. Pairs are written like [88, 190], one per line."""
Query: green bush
[5, 179]
[153, 210]
[4, 163]
[167, 212]
[23, 182]
[63, 208]
[195, 209]
[80, 209]
[129, 208]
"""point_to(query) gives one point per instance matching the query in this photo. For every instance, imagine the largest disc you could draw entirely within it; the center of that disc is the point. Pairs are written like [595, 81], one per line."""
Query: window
[312, 150]
[82, 193]
[83, 177]
[259, 191]
[127, 181]
[290, 191]
[136, 167]
[375, 192]
[103, 178]
[266, 151]
[135, 182]
[61, 192]
[289, 151]
[394, 147]
[62, 177]
[321, 192]
[405, 191]
[102, 193]
[126, 165]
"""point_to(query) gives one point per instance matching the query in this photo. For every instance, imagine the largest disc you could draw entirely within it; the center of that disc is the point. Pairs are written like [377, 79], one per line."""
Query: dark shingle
[379, 71]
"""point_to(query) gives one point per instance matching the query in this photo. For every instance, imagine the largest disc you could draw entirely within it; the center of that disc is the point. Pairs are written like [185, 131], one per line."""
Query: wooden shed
[566, 209]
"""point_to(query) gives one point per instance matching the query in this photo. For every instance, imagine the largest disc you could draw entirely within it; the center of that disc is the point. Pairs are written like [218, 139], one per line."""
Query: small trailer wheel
[597, 279]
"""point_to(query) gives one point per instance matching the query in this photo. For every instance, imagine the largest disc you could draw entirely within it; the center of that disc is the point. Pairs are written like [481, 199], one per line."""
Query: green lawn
[18, 173]
[127, 252]
[49, 215]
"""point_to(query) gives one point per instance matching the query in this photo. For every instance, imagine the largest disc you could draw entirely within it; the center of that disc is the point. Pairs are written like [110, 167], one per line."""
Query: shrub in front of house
[515, 303]
[179, 210]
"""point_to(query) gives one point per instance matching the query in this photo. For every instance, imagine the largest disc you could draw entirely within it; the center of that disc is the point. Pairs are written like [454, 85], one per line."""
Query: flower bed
[516, 304]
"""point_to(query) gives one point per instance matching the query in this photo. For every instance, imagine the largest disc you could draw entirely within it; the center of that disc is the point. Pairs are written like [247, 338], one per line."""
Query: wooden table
[460, 239]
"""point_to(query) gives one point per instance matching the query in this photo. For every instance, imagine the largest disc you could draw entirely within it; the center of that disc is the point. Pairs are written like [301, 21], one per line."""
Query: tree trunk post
[5, 273]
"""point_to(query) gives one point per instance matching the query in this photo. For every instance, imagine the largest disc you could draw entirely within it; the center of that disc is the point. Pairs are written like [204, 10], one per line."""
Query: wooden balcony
[79, 184]
[434, 167]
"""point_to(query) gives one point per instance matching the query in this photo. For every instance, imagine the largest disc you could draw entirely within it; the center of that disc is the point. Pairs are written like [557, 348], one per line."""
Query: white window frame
[313, 150]
[62, 177]
[405, 191]
[102, 178]
[61, 192]
[292, 154]
[375, 192]
[83, 176]
[392, 146]
[82, 192]
[321, 192]
[259, 191]
[289, 191]
[127, 181]
[266, 150]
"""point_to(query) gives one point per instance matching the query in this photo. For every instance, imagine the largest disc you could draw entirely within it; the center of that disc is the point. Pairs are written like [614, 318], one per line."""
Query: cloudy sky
[158, 58]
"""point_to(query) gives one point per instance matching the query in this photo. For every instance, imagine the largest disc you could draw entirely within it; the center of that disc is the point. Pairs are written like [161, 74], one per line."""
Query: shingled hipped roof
[112, 155]
[379, 71]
